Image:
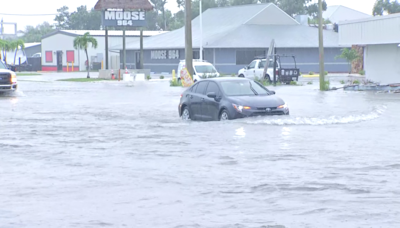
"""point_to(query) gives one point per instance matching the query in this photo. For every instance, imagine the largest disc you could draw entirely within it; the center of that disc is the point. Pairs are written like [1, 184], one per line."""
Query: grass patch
[82, 79]
[28, 74]
[175, 83]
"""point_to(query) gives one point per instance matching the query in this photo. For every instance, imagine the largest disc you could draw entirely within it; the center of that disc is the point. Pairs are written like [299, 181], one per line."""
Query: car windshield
[205, 69]
[243, 88]
[270, 65]
[2, 66]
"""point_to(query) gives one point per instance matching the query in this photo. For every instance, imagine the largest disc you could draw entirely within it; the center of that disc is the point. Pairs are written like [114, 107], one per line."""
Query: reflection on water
[104, 154]
[240, 133]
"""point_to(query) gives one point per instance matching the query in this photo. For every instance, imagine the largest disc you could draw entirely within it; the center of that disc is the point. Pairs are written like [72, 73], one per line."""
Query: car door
[211, 105]
[259, 69]
[196, 100]
[251, 70]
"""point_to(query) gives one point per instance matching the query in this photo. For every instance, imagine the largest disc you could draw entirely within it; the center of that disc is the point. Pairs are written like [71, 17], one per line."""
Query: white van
[201, 69]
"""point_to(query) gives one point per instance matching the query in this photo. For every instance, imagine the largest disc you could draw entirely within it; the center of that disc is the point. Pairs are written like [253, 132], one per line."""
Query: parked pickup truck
[284, 75]
[8, 78]
[256, 69]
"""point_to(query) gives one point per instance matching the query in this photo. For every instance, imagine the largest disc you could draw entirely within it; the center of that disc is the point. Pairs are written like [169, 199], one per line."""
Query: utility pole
[321, 50]
[123, 49]
[201, 30]
[188, 37]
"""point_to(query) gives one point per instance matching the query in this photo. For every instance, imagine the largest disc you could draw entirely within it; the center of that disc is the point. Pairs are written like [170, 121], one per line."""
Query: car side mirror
[272, 92]
[211, 95]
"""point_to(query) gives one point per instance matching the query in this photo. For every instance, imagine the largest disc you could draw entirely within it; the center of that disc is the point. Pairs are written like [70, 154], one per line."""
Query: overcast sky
[51, 6]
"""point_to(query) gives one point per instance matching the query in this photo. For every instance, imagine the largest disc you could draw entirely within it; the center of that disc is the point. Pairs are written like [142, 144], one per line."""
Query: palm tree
[5, 46]
[350, 55]
[82, 42]
[17, 44]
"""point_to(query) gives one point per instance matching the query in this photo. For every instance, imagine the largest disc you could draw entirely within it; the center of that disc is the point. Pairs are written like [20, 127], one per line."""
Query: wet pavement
[113, 155]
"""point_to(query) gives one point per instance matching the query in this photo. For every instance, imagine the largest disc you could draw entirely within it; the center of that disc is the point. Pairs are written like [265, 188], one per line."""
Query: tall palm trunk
[15, 55]
[88, 64]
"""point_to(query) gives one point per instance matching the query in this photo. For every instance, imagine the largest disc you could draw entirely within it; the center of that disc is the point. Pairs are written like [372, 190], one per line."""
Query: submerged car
[229, 98]
[8, 78]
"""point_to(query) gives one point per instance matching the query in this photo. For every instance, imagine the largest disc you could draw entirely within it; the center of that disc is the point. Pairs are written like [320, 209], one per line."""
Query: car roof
[225, 79]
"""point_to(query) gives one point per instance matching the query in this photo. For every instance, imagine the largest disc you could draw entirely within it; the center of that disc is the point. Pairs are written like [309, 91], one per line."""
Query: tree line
[162, 18]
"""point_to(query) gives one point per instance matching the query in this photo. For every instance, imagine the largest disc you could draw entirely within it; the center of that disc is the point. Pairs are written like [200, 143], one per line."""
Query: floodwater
[112, 155]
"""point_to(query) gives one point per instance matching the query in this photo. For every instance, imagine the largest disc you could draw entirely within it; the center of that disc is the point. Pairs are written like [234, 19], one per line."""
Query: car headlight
[13, 77]
[283, 106]
[240, 108]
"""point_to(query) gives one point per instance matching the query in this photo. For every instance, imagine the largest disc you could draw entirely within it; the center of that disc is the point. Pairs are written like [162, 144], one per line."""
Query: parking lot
[116, 155]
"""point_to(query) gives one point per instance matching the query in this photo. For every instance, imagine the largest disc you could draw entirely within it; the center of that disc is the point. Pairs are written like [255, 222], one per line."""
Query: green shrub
[311, 73]
[362, 72]
[293, 83]
[327, 85]
[309, 83]
[356, 82]
[326, 73]
[161, 77]
[175, 82]
[148, 77]
[342, 82]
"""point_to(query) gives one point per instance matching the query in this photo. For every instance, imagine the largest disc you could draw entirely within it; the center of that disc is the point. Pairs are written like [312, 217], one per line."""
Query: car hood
[5, 71]
[257, 101]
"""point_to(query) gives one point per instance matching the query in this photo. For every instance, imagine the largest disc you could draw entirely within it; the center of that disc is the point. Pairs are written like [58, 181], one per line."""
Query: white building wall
[377, 30]
[382, 63]
[64, 43]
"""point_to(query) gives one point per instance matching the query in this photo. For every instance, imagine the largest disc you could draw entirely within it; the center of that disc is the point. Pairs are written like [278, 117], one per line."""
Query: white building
[381, 38]
[58, 48]
[339, 13]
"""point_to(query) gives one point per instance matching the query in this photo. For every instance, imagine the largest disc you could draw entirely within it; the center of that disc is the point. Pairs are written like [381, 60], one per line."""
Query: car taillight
[181, 95]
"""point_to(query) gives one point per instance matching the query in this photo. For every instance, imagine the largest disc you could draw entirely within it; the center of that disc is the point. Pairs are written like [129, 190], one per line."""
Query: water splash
[374, 114]
[16, 93]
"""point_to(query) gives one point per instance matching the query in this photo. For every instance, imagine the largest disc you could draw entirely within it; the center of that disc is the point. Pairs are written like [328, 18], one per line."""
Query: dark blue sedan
[229, 98]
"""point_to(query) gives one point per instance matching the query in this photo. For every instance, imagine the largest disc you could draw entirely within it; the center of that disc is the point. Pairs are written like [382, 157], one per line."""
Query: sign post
[124, 19]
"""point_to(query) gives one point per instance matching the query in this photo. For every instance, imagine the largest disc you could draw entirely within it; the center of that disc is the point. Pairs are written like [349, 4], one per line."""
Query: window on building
[70, 56]
[196, 54]
[244, 57]
[49, 56]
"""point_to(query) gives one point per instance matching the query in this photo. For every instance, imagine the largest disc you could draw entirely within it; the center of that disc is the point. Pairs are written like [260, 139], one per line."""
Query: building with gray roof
[234, 36]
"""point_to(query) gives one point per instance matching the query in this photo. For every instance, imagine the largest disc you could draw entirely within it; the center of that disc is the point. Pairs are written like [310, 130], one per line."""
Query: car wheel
[241, 76]
[185, 114]
[268, 78]
[224, 115]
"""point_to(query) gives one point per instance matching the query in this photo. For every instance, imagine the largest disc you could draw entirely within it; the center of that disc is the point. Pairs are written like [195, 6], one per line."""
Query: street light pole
[201, 30]
[188, 37]
[322, 86]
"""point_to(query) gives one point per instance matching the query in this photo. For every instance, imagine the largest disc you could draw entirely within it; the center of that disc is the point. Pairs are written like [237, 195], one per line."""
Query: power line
[27, 15]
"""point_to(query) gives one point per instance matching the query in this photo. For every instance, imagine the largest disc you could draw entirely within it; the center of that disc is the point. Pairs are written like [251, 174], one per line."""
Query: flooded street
[111, 155]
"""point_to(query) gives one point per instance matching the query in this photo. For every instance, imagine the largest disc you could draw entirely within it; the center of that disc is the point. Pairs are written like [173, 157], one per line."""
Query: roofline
[222, 47]
[337, 8]
[236, 6]
[372, 18]
[75, 35]
[33, 45]
[258, 13]
[268, 5]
